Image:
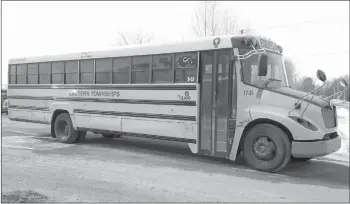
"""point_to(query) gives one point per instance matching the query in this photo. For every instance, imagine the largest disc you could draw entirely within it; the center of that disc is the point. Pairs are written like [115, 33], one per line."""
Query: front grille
[330, 136]
[329, 117]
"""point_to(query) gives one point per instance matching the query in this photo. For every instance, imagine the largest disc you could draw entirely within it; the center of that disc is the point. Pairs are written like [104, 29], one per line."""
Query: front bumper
[310, 149]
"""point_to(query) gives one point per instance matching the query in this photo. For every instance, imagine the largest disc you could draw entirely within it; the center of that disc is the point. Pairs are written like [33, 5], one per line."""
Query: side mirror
[263, 64]
[343, 83]
[321, 75]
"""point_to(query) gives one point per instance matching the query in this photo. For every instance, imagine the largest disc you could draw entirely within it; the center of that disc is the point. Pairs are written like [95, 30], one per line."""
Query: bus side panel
[166, 128]
[27, 109]
[82, 120]
[111, 123]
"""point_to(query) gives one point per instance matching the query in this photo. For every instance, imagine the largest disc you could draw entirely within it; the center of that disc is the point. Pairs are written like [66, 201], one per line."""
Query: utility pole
[205, 19]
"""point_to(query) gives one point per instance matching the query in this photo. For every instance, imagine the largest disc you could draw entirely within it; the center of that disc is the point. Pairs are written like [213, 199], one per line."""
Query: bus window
[44, 73]
[58, 72]
[140, 69]
[21, 74]
[86, 71]
[186, 67]
[33, 71]
[162, 71]
[121, 68]
[71, 72]
[12, 74]
[222, 82]
[103, 71]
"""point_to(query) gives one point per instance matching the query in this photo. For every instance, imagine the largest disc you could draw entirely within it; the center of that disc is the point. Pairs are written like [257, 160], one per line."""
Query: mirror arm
[301, 100]
[340, 92]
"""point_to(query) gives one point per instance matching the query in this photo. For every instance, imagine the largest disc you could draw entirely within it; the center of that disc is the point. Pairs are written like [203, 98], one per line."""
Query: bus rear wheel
[111, 135]
[266, 148]
[64, 130]
[81, 137]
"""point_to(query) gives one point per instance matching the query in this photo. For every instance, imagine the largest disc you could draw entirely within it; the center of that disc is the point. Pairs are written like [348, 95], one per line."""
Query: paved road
[141, 170]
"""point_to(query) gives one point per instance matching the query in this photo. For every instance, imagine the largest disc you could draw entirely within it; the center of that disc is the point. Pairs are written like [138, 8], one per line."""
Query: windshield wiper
[269, 80]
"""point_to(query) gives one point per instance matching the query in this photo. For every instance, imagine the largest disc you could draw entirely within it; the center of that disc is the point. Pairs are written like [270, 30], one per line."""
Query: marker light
[280, 49]
[245, 42]
[254, 42]
[250, 41]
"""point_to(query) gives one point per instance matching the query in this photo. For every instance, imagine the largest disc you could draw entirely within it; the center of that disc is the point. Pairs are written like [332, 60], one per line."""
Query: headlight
[304, 123]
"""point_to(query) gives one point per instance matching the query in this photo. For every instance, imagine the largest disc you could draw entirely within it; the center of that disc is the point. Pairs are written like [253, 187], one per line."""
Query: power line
[320, 54]
[294, 24]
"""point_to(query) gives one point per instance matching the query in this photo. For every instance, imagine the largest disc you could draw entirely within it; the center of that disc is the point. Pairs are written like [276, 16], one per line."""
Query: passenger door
[217, 103]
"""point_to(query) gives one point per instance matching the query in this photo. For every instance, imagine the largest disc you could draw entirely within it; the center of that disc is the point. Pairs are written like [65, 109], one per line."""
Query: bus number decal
[191, 79]
[185, 97]
[248, 92]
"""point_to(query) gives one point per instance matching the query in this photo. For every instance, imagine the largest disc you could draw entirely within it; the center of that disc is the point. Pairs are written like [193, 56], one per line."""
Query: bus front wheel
[64, 130]
[266, 148]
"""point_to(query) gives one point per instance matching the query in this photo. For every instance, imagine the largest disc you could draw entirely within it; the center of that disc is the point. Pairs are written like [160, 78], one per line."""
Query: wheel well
[261, 121]
[53, 118]
[56, 113]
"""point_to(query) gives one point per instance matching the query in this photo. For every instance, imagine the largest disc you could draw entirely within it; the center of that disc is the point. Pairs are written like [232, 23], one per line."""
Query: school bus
[223, 96]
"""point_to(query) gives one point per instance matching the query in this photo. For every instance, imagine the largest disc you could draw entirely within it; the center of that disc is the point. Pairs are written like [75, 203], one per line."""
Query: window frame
[49, 73]
[82, 71]
[71, 73]
[25, 74]
[63, 73]
[11, 74]
[110, 71]
[119, 68]
[133, 69]
[171, 69]
[195, 53]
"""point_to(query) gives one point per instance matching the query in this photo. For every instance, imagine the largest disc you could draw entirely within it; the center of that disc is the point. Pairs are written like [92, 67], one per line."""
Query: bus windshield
[276, 71]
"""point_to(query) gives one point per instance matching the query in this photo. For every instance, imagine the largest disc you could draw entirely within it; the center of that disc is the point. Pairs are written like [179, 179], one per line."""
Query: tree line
[307, 84]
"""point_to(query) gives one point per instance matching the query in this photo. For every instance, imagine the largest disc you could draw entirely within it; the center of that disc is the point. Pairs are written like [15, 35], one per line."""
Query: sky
[315, 35]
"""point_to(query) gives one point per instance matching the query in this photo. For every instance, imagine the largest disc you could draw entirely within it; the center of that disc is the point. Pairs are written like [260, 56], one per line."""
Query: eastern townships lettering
[95, 93]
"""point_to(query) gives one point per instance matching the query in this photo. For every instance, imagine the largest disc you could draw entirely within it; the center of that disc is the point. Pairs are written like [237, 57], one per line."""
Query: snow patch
[343, 130]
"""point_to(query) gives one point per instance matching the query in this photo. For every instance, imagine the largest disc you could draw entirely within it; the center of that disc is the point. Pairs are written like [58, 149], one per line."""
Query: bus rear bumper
[310, 149]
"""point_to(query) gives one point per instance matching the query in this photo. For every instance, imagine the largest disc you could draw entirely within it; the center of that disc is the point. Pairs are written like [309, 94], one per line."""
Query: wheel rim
[62, 129]
[264, 148]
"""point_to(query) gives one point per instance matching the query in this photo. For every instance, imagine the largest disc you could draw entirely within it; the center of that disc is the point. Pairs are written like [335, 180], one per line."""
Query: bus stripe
[29, 121]
[107, 86]
[138, 115]
[29, 108]
[114, 113]
[106, 100]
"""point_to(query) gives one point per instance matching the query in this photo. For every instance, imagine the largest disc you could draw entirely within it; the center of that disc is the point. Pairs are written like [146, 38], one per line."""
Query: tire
[81, 136]
[276, 138]
[111, 135]
[64, 130]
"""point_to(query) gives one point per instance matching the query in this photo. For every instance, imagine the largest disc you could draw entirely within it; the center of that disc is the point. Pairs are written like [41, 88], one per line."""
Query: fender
[62, 106]
[272, 113]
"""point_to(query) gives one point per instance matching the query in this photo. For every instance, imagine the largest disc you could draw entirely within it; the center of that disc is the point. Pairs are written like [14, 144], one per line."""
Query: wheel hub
[62, 129]
[264, 148]
[66, 129]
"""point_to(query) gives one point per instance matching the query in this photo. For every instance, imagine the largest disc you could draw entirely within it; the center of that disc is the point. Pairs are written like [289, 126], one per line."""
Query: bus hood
[300, 95]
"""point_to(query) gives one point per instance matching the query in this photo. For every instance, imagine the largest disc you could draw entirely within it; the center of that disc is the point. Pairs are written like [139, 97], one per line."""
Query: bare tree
[229, 24]
[210, 21]
[306, 84]
[139, 37]
[291, 71]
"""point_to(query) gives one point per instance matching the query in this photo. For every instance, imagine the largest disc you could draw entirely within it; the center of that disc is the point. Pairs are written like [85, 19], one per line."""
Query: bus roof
[205, 43]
